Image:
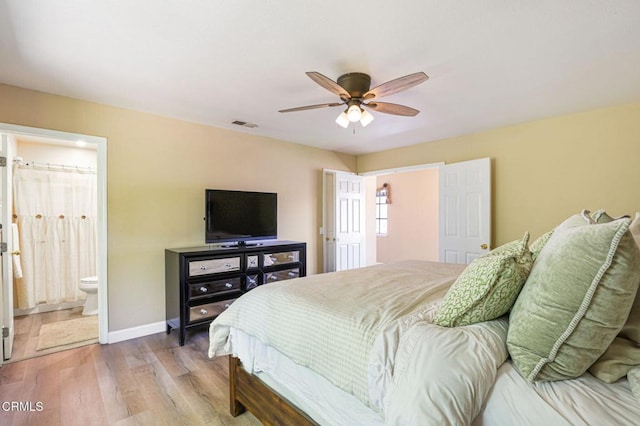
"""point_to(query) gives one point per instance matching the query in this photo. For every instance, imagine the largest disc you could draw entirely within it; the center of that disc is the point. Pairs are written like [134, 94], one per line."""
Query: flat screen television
[240, 216]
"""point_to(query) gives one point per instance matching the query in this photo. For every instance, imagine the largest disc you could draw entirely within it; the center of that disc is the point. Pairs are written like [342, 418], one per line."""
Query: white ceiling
[491, 63]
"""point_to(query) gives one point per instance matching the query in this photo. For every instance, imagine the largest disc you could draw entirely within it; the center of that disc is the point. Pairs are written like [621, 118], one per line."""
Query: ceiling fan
[353, 90]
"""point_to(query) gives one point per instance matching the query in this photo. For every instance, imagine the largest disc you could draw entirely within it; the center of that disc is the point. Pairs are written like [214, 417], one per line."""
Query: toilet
[90, 286]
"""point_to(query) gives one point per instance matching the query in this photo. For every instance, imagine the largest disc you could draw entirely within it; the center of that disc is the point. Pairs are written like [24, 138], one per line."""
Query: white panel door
[350, 232]
[6, 269]
[344, 221]
[465, 210]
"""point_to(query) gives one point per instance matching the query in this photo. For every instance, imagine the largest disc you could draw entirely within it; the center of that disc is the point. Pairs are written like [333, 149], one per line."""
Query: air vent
[244, 124]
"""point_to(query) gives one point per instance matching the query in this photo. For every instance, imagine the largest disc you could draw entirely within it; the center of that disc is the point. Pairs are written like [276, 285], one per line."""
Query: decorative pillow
[537, 246]
[576, 299]
[601, 216]
[635, 228]
[487, 288]
[624, 352]
[619, 358]
[578, 219]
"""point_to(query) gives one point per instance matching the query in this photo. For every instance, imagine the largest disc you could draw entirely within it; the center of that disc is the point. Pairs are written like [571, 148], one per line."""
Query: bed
[382, 345]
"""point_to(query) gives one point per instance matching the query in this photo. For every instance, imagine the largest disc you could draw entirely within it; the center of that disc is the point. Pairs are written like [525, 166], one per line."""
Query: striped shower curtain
[56, 213]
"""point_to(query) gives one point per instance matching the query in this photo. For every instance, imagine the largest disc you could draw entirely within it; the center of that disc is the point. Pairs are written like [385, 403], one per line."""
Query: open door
[6, 270]
[344, 219]
[465, 210]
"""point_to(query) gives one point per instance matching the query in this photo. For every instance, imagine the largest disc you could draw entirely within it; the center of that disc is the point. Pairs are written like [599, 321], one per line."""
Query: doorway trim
[403, 169]
[101, 151]
[371, 236]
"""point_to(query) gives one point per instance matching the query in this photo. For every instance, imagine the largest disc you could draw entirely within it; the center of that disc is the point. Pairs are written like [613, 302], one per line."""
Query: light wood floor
[145, 381]
[27, 330]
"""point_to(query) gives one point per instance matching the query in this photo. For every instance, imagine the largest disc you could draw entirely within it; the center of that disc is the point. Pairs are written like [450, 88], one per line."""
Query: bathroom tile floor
[27, 329]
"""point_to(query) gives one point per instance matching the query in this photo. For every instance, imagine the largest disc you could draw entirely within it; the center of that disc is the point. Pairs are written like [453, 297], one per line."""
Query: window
[382, 202]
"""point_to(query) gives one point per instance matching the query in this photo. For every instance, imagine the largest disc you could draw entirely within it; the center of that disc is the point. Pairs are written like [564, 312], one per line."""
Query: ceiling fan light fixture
[366, 118]
[343, 120]
[354, 112]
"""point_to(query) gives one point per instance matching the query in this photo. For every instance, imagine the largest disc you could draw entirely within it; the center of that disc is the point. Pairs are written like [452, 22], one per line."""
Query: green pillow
[635, 228]
[619, 358]
[624, 352]
[487, 288]
[539, 243]
[601, 216]
[576, 299]
[578, 219]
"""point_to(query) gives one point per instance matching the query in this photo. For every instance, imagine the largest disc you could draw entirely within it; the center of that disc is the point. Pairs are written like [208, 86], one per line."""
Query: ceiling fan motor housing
[356, 83]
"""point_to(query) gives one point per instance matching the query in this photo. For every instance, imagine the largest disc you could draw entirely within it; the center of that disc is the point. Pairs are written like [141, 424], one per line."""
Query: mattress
[310, 392]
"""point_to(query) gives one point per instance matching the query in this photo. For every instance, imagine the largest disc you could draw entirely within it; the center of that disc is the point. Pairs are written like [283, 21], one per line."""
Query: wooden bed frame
[248, 392]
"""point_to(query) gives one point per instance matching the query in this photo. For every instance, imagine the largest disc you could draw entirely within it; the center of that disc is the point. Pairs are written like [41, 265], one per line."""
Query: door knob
[484, 246]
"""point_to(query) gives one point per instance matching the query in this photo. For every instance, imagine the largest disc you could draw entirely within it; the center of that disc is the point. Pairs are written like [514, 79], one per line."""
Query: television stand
[201, 282]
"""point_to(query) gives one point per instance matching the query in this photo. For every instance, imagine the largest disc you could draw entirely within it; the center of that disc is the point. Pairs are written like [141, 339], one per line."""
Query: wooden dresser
[201, 282]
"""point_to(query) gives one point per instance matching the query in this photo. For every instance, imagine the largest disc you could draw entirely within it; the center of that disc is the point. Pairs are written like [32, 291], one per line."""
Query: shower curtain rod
[52, 165]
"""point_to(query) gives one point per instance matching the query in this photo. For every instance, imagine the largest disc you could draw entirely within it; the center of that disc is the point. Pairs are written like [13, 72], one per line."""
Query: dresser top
[221, 248]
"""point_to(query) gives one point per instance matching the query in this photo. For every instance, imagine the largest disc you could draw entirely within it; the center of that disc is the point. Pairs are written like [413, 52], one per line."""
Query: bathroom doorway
[56, 242]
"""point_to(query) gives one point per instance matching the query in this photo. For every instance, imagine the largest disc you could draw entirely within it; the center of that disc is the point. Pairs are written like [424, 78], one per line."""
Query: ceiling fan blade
[302, 108]
[394, 109]
[329, 84]
[395, 86]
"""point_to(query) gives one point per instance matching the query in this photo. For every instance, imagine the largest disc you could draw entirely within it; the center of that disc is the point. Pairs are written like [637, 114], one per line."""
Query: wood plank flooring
[145, 381]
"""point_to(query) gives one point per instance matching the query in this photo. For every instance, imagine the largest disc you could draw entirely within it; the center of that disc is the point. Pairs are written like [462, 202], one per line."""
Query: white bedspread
[443, 375]
[330, 322]
[369, 332]
[583, 401]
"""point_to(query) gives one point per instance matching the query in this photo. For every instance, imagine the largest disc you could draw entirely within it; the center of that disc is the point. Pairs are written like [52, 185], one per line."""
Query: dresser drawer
[216, 286]
[285, 274]
[208, 311]
[213, 266]
[281, 258]
[252, 281]
[252, 261]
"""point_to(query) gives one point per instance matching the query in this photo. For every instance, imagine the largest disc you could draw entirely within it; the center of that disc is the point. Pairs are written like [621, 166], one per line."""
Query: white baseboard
[135, 332]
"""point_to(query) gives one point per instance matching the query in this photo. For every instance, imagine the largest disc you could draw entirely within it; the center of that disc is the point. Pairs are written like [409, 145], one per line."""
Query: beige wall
[371, 242]
[158, 169]
[546, 170]
[413, 217]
